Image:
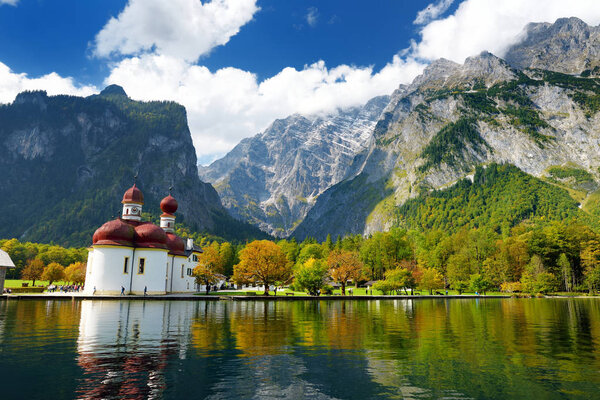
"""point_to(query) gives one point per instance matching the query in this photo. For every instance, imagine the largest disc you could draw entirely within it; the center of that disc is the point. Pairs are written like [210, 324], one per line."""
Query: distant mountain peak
[569, 45]
[113, 90]
[485, 67]
[36, 97]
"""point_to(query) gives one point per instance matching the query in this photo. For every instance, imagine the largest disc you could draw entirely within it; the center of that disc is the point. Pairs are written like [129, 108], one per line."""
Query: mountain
[569, 46]
[66, 161]
[456, 117]
[274, 178]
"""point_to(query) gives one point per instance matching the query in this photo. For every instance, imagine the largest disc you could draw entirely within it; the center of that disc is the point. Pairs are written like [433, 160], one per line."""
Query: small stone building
[5, 263]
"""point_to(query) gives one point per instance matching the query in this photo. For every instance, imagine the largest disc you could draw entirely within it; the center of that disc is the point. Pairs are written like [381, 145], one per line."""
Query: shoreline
[201, 297]
[193, 297]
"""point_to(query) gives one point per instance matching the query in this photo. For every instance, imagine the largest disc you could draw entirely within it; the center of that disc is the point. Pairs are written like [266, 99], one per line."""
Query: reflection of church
[124, 347]
[137, 256]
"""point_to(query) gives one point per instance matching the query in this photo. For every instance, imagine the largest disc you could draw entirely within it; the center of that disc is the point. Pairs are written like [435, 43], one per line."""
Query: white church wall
[106, 272]
[183, 279]
[154, 274]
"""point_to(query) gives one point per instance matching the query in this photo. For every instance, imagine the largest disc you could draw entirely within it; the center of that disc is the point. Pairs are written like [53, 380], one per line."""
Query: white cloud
[230, 104]
[13, 83]
[9, 2]
[184, 29]
[494, 25]
[312, 16]
[432, 11]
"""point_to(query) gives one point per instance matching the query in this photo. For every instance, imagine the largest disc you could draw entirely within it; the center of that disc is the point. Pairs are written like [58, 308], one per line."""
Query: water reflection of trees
[394, 348]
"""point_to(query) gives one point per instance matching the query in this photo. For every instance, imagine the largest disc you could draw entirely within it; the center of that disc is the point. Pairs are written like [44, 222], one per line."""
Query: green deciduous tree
[310, 276]
[430, 280]
[479, 284]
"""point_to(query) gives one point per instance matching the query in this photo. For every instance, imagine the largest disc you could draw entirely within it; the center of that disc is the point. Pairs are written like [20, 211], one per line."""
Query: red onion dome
[176, 244]
[133, 195]
[169, 205]
[115, 232]
[149, 235]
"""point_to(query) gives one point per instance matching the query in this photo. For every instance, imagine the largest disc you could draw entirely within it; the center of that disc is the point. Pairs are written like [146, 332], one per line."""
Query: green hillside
[499, 197]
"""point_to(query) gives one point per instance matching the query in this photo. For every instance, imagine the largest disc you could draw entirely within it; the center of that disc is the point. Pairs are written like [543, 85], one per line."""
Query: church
[140, 257]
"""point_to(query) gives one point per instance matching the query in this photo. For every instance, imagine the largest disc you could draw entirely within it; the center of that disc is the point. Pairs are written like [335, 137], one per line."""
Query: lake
[345, 349]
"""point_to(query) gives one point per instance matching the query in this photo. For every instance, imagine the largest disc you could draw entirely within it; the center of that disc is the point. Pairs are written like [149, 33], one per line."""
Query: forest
[502, 230]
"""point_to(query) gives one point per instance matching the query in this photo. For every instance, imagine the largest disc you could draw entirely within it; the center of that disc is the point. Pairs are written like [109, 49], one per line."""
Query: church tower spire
[133, 200]
[168, 206]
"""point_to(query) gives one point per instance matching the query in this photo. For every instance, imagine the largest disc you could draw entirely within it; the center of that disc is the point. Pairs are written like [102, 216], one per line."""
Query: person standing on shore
[122, 290]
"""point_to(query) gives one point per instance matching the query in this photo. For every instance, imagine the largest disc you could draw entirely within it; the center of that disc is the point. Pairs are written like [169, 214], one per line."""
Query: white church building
[139, 256]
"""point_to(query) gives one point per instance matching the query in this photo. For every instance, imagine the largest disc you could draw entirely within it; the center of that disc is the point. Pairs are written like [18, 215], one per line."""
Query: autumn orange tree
[33, 270]
[210, 263]
[75, 273]
[343, 266]
[53, 272]
[262, 262]
[205, 276]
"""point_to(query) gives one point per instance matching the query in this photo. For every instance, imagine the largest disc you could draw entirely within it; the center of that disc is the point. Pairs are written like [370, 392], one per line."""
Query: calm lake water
[397, 349]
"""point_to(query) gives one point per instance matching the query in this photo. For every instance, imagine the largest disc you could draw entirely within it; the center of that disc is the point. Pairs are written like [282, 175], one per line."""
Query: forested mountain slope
[455, 117]
[66, 161]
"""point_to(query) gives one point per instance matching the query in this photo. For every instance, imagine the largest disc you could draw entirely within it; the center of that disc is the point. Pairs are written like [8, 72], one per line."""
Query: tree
[344, 266]
[543, 282]
[290, 248]
[430, 280]
[227, 253]
[479, 284]
[312, 250]
[546, 282]
[395, 280]
[590, 259]
[53, 272]
[511, 287]
[310, 276]
[211, 258]
[460, 286]
[261, 262]
[566, 271]
[75, 273]
[33, 270]
[204, 275]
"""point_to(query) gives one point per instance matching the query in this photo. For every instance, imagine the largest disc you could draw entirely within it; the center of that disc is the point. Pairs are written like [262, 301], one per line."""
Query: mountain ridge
[67, 160]
[273, 178]
[455, 117]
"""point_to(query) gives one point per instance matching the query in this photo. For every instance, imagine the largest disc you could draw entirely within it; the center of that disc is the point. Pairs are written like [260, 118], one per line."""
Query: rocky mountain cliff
[456, 117]
[569, 46]
[274, 178]
[65, 162]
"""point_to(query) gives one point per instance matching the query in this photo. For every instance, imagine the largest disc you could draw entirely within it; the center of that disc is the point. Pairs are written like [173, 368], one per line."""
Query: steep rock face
[453, 118]
[274, 178]
[569, 46]
[66, 161]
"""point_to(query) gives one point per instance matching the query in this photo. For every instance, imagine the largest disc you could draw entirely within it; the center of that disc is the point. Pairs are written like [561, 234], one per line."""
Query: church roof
[133, 195]
[5, 260]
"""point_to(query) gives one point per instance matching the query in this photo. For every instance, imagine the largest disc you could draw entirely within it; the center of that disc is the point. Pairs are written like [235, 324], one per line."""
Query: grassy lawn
[16, 283]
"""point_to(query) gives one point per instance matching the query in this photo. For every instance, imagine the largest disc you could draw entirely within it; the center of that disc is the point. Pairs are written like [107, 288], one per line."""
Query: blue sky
[43, 36]
[238, 64]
